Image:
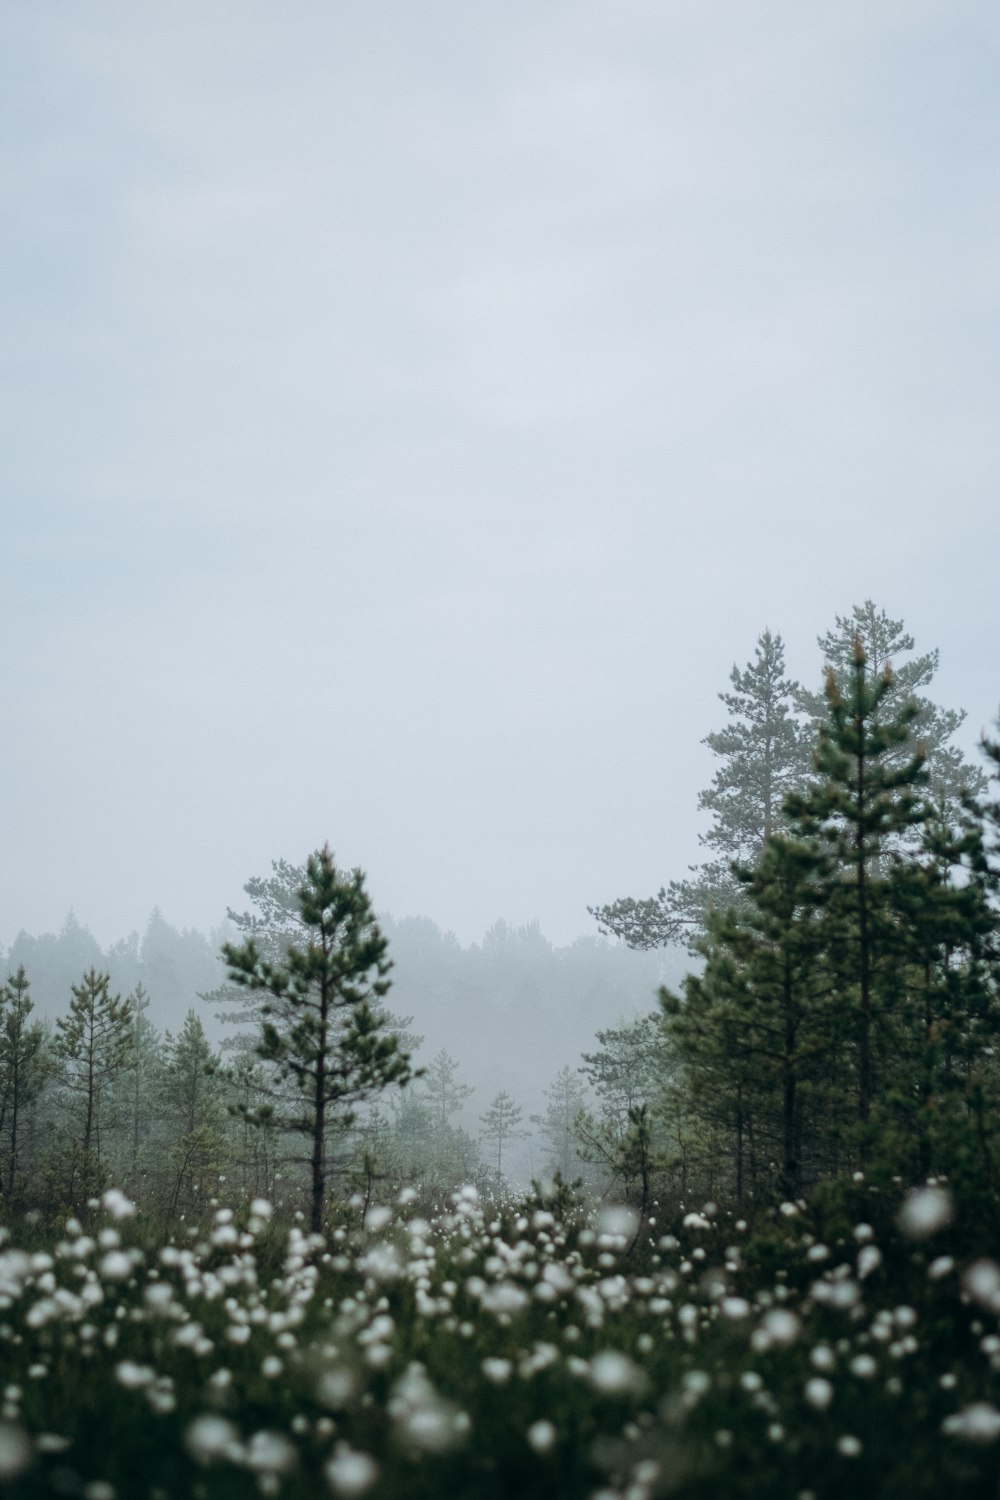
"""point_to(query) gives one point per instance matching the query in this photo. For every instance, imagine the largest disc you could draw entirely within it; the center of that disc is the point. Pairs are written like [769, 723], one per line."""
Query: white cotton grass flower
[133, 1376]
[869, 1260]
[210, 1438]
[981, 1282]
[505, 1299]
[848, 1446]
[269, 1453]
[115, 1203]
[423, 1418]
[925, 1211]
[614, 1374]
[617, 1221]
[261, 1208]
[542, 1436]
[818, 1392]
[383, 1262]
[978, 1423]
[336, 1387]
[377, 1218]
[350, 1472]
[497, 1371]
[779, 1328]
[116, 1265]
[15, 1450]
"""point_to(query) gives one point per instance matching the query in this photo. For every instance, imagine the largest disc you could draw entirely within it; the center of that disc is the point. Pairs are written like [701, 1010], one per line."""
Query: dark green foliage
[24, 1066]
[92, 1043]
[192, 1098]
[885, 643]
[869, 785]
[765, 752]
[322, 1026]
[847, 1010]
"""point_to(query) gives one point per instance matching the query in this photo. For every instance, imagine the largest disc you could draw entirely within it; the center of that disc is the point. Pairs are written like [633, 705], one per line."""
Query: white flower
[869, 1260]
[269, 1453]
[351, 1473]
[116, 1265]
[210, 1437]
[614, 1374]
[818, 1392]
[848, 1446]
[117, 1205]
[541, 1436]
[925, 1211]
[133, 1376]
[978, 1423]
[982, 1282]
[504, 1298]
[383, 1262]
[15, 1450]
[618, 1220]
[778, 1329]
[498, 1371]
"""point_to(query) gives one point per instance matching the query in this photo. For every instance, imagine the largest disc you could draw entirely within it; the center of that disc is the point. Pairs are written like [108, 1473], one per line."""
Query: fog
[410, 416]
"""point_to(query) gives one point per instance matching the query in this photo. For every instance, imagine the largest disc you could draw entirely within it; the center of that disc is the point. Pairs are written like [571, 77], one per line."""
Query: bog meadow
[759, 1254]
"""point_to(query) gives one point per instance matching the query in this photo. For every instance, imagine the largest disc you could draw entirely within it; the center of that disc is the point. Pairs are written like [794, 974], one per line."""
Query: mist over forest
[500, 796]
[481, 1003]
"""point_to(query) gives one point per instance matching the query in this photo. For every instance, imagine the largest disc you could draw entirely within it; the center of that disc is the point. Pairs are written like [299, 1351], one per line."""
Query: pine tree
[321, 1023]
[763, 755]
[566, 1100]
[885, 643]
[192, 1104]
[757, 1027]
[92, 1043]
[130, 1092]
[629, 1074]
[947, 1025]
[273, 922]
[23, 1070]
[870, 780]
[444, 1093]
[502, 1123]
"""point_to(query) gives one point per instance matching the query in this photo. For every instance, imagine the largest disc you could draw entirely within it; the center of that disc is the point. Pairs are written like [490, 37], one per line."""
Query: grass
[848, 1347]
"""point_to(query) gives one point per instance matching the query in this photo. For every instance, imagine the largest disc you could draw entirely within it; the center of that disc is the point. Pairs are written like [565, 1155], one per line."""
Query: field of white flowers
[485, 1350]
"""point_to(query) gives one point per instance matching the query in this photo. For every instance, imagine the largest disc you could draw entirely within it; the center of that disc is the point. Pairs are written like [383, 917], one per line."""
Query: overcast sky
[411, 411]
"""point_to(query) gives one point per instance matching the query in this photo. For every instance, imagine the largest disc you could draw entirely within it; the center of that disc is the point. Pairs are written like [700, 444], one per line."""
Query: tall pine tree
[763, 754]
[323, 1027]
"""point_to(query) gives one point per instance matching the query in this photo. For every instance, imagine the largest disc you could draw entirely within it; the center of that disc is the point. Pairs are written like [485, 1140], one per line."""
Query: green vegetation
[774, 1274]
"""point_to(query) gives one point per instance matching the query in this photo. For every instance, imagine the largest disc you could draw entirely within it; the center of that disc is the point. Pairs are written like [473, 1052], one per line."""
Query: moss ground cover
[505, 1349]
